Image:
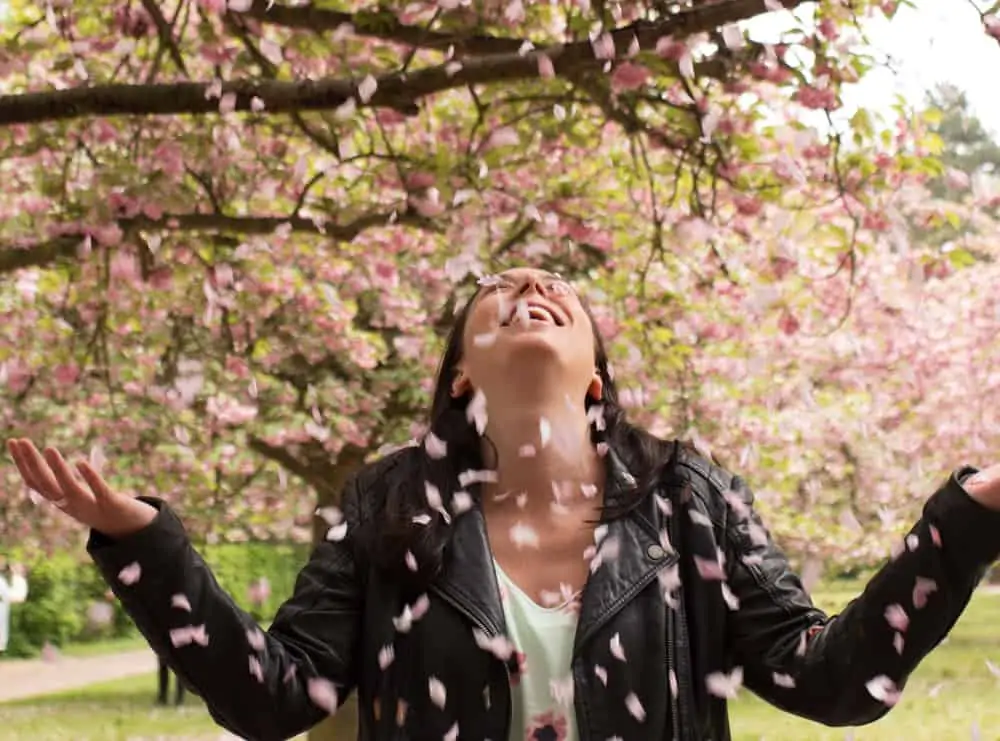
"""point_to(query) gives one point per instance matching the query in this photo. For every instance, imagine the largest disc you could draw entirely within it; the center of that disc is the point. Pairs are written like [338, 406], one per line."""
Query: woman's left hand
[984, 487]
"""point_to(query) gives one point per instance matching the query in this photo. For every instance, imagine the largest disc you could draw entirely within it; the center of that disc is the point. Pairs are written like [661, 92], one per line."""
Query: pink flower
[629, 76]
[549, 726]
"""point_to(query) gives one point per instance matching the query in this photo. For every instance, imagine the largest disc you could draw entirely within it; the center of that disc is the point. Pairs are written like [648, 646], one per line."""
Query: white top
[542, 692]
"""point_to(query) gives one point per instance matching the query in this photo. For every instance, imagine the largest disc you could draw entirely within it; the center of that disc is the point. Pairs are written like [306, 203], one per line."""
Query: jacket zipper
[492, 631]
[675, 719]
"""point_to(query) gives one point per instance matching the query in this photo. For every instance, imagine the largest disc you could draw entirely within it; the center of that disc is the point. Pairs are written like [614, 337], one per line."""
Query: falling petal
[256, 639]
[452, 734]
[367, 89]
[130, 574]
[732, 602]
[561, 690]
[709, 569]
[883, 689]
[725, 685]
[601, 673]
[546, 69]
[256, 670]
[404, 621]
[616, 647]
[635, 707]
[544, 431]
[935, 536]
[181, 602]
[897, 618]
[732, 37]
[524, 536]
[897, 643]
[922, 589]
[337, 533]
[461, 501]
[436, 447]
[411, 561]
[323, 693]
[783, 680]
[699, 518]
[438, 693]
[386, 655]
[420, 606]
[97, 458]
[485, 339]
[526, 451]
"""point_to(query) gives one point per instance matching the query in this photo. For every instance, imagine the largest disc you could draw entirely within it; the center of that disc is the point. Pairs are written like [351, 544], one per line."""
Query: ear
[461, 385]
[596, 388]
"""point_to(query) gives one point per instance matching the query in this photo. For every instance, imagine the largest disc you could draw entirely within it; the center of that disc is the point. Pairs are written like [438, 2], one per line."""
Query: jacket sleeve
[837, 670]
[258, 685]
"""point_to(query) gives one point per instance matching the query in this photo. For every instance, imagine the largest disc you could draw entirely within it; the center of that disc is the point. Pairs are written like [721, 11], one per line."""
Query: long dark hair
[397, 538]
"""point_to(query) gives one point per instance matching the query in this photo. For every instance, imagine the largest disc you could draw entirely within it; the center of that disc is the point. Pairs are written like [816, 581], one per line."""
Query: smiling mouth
[526, 314]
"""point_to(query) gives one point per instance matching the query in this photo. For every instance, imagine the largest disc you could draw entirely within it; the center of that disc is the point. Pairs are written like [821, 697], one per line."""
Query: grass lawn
[110, 711]
[967, 696]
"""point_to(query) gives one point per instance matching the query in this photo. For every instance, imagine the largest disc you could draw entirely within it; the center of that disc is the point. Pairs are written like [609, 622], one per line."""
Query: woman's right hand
[79, 491]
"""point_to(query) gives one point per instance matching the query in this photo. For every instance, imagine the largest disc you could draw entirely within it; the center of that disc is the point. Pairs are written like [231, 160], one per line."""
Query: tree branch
[378, 24]
[399, 91]
[166, 33]
[44, 253]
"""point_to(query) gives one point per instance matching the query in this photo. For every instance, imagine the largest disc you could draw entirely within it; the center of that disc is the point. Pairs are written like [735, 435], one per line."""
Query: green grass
[967, 692]
[125, 709]
[109, 711]
[104, 646]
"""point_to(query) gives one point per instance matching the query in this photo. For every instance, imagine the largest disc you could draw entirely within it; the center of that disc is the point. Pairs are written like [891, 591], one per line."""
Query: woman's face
[527, 325]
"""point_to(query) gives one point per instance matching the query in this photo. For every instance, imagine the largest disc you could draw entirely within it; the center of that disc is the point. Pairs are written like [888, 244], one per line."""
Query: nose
[533, 282]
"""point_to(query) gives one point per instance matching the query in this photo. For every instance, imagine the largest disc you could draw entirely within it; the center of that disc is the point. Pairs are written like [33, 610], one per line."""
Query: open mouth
[527, 313]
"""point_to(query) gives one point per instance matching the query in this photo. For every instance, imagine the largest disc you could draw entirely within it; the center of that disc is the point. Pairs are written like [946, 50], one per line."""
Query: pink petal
[323, 693]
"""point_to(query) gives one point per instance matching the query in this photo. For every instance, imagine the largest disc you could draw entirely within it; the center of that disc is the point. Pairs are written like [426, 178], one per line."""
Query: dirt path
[27, 678]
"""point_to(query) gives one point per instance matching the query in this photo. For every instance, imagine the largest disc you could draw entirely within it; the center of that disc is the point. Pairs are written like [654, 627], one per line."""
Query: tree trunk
[344, 724]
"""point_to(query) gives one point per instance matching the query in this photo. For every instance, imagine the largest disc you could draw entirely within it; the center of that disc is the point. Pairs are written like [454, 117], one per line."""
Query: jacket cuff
[160, 542]
[970, 531]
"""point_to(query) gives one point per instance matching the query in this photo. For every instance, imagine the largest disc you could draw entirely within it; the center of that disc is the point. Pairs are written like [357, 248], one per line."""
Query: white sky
[937, 41]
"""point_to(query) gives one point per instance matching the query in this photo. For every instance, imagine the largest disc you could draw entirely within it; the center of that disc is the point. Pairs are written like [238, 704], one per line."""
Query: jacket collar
[469, 582]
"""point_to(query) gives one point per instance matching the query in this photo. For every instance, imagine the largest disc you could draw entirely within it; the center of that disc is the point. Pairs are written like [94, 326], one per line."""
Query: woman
[537, 569]
[12, 592]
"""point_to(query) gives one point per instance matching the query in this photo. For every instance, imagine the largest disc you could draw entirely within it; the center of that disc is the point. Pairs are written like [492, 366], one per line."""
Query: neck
[537, 447]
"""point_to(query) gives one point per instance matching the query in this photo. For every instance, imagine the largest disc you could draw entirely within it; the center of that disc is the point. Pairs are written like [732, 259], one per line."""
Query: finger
[72, 489]
[17, 453]
[45, 481]
[94, 480]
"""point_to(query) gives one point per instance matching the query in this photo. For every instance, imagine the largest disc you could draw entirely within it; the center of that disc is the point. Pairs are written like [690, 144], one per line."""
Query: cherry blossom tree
[235, 233]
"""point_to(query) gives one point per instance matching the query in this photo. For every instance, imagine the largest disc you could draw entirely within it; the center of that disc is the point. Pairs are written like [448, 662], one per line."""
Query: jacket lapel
[639, 557]
[469, 580]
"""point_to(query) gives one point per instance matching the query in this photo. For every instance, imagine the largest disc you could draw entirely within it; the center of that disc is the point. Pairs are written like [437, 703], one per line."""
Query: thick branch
[41, 254]
[398, 91]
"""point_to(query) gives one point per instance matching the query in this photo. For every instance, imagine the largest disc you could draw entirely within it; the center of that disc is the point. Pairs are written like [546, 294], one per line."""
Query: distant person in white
[13, 591]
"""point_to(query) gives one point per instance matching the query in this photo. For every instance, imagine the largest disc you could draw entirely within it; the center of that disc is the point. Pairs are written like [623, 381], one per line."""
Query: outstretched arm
[849, 669]
[259, 685]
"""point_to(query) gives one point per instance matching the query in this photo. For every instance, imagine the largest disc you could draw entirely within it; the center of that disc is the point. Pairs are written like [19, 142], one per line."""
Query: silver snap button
[656, 552]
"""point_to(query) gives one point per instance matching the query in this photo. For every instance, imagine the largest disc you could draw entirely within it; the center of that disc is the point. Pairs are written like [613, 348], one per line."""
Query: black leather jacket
[341, 616]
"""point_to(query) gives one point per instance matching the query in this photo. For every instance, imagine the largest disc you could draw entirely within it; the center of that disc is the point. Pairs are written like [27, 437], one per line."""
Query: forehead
[524, 273]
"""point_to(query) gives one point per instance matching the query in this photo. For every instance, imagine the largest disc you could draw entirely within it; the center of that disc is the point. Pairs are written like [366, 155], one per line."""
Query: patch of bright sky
[935, 41]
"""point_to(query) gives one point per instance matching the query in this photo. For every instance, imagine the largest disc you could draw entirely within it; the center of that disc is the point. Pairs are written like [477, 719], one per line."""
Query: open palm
[79, 490]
